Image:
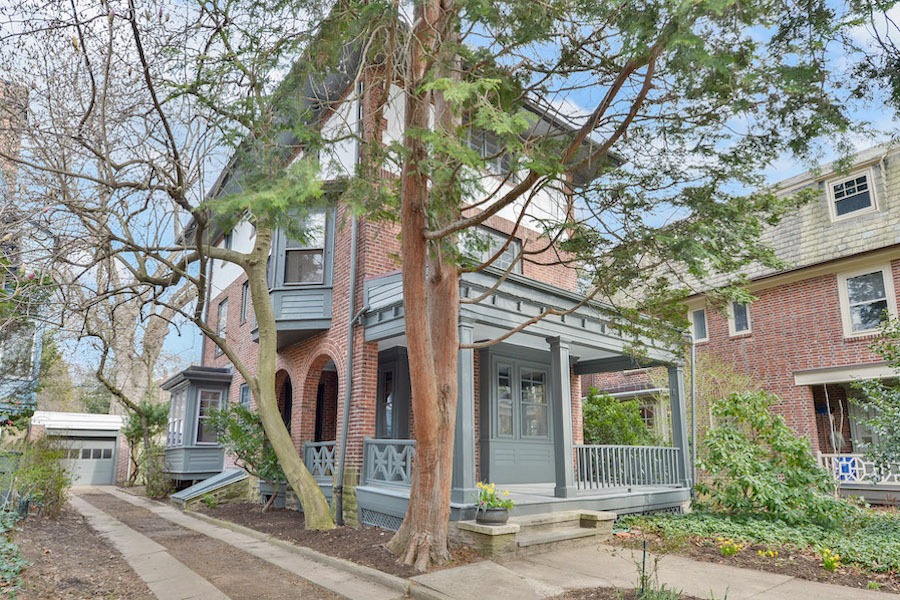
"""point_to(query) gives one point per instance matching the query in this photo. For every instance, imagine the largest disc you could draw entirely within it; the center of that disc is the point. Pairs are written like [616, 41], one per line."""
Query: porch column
[463, 484]
[679, 422]
[561, 401]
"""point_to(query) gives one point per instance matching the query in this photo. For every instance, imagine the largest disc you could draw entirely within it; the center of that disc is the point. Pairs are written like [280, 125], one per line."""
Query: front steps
[534, 534]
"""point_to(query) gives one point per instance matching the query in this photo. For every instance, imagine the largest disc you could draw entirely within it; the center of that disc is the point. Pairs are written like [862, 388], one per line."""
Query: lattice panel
[379, 519]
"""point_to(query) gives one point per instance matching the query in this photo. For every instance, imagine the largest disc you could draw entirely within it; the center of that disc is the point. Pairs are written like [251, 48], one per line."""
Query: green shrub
[41, 475]
[756, 464]
[157, 483]
[869, 539]
[611, 421]
[241, 432]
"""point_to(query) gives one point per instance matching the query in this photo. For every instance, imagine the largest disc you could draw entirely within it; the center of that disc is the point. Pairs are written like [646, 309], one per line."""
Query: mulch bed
[363, 546]
[607, 594]
[803, 565]
[70, 560]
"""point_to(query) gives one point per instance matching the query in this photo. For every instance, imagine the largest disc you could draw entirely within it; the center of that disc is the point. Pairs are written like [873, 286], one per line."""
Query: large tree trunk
[317, 514]
[431, 313]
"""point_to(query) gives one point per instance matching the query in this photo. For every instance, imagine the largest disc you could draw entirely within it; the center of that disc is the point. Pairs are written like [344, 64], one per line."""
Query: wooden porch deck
[535, 498]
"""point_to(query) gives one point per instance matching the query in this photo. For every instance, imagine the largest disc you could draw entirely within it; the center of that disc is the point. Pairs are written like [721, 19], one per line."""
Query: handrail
[319, 458]
[611, 466]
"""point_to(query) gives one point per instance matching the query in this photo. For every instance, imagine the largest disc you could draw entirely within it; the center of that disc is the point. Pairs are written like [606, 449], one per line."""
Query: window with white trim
[867, 298]
[208, 401]
[738, 318]
[698, 325]
[489, 147]
[245, 296]
[245, 396]
[304, 260]
[221, 322]
[851, 196]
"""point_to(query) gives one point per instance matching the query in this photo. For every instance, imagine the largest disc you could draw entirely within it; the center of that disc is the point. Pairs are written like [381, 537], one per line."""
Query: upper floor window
[698, 325]
[851, 196]
[221, 322]
[866, 298]
[490, 148]
[482, 244]
[245, 298]
[738, 318]
[304, 260]
[17, 351]
[244, 399]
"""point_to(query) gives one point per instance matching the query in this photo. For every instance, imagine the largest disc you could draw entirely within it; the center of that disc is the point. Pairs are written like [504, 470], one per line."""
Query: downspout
[694, 373]
[338, 485]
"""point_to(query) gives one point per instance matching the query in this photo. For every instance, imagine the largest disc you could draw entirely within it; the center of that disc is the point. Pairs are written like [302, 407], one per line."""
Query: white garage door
[92, 461]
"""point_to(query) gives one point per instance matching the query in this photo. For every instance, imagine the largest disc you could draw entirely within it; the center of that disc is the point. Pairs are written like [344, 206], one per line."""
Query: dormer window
[851, 196]
[304, 260]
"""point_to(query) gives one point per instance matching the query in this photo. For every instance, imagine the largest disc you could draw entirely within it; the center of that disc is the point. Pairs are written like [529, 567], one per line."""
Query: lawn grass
[868, 538]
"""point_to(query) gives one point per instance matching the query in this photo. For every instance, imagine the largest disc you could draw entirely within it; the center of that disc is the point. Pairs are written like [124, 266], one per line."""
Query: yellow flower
[506, 493]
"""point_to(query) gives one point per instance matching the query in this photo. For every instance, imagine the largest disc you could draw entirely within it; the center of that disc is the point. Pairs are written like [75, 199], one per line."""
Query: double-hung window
[245, 297]
[208, 401]
[221, 322]
[698, 325]
[866, 298]
[489, 147]
[175, 428]
[304, 260]
[244, 399]
[738, 318]
[851, 196]
[482, 244]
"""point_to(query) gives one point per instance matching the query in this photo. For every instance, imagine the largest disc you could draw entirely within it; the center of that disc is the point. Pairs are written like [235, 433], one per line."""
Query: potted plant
[493, 506]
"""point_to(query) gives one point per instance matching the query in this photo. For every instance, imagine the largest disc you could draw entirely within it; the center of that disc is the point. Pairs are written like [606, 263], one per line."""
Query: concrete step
[551, 536]
[534, 534]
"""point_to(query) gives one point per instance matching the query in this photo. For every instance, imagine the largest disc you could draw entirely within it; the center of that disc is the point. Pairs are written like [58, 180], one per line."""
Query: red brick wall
[123, 458]
[795, 326]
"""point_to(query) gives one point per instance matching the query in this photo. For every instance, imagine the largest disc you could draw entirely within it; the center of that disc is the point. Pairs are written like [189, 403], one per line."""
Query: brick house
[519, 413]
[806, 337]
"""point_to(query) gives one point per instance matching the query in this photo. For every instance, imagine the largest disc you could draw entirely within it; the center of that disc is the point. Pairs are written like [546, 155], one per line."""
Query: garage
[91, 441]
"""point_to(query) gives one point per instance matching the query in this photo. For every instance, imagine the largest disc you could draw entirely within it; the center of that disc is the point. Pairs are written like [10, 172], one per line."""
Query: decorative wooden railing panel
[388, 461]
[319, 458]
[854, 468]
[601, 467]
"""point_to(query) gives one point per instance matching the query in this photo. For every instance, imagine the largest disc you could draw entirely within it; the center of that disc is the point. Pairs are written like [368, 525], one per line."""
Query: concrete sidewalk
[546, 575]
[532, 578]
[347, 580]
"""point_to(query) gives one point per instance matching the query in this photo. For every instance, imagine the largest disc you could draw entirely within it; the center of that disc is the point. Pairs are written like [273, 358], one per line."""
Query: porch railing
[319, 458]
[388, 461]
[854, 468]
[599, 467]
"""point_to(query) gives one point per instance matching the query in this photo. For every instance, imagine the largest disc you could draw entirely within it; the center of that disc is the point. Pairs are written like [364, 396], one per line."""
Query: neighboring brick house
[519, 415]
[807, 335]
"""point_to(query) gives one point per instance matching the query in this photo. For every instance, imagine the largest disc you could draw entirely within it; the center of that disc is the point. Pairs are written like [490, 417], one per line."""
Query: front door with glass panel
[521, 438]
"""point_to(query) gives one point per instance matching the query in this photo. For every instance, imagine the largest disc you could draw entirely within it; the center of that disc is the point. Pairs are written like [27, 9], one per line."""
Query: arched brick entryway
[320, 400]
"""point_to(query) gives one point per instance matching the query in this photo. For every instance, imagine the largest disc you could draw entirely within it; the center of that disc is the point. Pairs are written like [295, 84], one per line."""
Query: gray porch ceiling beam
[613, 364]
